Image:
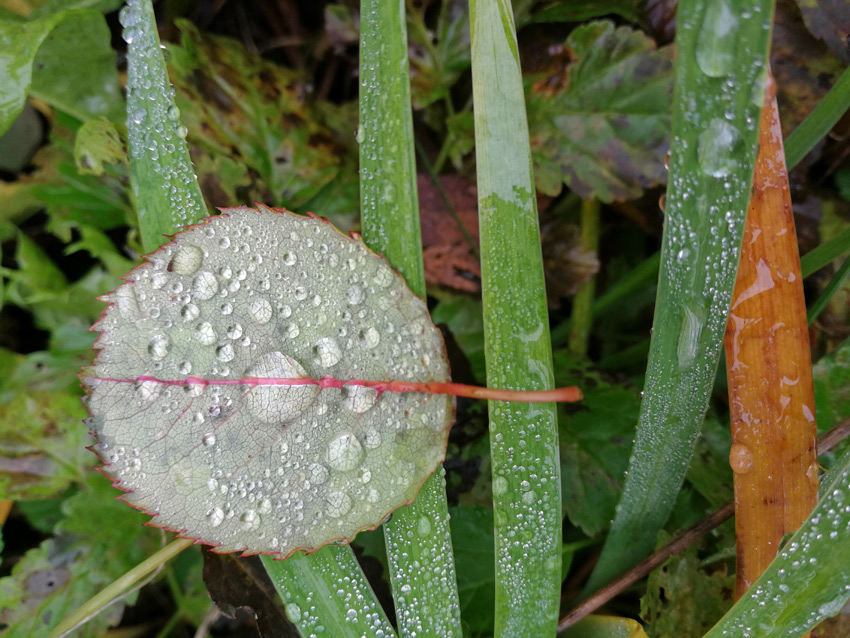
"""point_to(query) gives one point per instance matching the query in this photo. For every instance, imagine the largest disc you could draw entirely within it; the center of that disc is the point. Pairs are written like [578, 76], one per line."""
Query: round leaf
[253, 467]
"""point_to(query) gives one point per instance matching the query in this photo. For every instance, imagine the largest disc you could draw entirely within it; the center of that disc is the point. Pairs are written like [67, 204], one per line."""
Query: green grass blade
[819, 122]
[168, 197]
[523, 437]
[831, 288]
[809, 580]
[164, 183]
[826, 253]
[418, 542]
[722, 51]
[326, 593]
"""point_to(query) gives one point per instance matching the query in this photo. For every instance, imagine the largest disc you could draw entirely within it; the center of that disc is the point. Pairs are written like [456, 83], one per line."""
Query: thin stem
[581, 319]
[569, 394]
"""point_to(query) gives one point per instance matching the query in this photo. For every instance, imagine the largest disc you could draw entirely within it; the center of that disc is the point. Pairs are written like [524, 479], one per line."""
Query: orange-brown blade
[768, 363]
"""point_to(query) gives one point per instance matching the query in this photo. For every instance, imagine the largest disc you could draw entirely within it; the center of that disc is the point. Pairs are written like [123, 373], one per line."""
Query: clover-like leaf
[219, 398]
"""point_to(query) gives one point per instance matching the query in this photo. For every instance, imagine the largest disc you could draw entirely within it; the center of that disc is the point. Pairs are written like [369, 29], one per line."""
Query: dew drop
[158, 347]
[318, 473]
[225, 353]
[424, 526]
[234, 331]
[261, 311]
[216, 517]
[338, 504]
[209, 439]
[741, 458]
[369, 338]
[190, 312]
[718, 148]
[250, 519]
[187, 260]
[358, 398]
[354, 295]
[205, 334]
[278, 403]
[715, 50]
[345, 452]
[383, 277]
[205, 285]
[326, 352]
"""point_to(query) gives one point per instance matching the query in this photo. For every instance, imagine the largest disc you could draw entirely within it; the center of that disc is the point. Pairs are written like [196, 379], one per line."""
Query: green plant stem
[826, 253]
[831, 288]
[819, 122]
[720, 71]
[581, 318]
[94, 604]
[523, 439]
[165, 187]
[421, 562]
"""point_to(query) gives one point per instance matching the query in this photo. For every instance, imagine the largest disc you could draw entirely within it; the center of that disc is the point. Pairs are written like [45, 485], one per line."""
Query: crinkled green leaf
[42, 444]
[97, 541]
[596, 441]
[98, 143]
[75, 69]
[683, 600]
[438, 57]
[602, 125]
[239, 106]
[73, 60]
[266, 468]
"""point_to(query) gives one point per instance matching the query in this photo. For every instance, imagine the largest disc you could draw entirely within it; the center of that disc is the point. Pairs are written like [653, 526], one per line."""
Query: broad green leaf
[602, 124]
[74, 60]
[264, 467]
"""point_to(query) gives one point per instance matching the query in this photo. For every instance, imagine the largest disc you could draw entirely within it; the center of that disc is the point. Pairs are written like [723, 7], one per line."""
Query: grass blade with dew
[421, 562]
[523, 438]
[720, 71]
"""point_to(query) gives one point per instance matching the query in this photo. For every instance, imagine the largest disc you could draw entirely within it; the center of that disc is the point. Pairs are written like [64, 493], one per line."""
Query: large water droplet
[278, 403]
[225, 353]
[354, 295]
[159, 346]
[715, 51]
[326, 352]
[338, 504]
[689, 335]
[205, 333]
[369, 338]
[345, 452]
[718, 148]
[216, 517]
[187, 260]
[358, 398]
[205, 285]
[261, 311]
[741, 458]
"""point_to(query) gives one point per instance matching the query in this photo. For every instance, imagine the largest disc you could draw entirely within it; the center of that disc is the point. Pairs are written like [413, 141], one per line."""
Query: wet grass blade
[164, 183]
[421, 562]
[720, 69]
[168, 197]
[819, 122]
[523, 438]
[326, 592]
